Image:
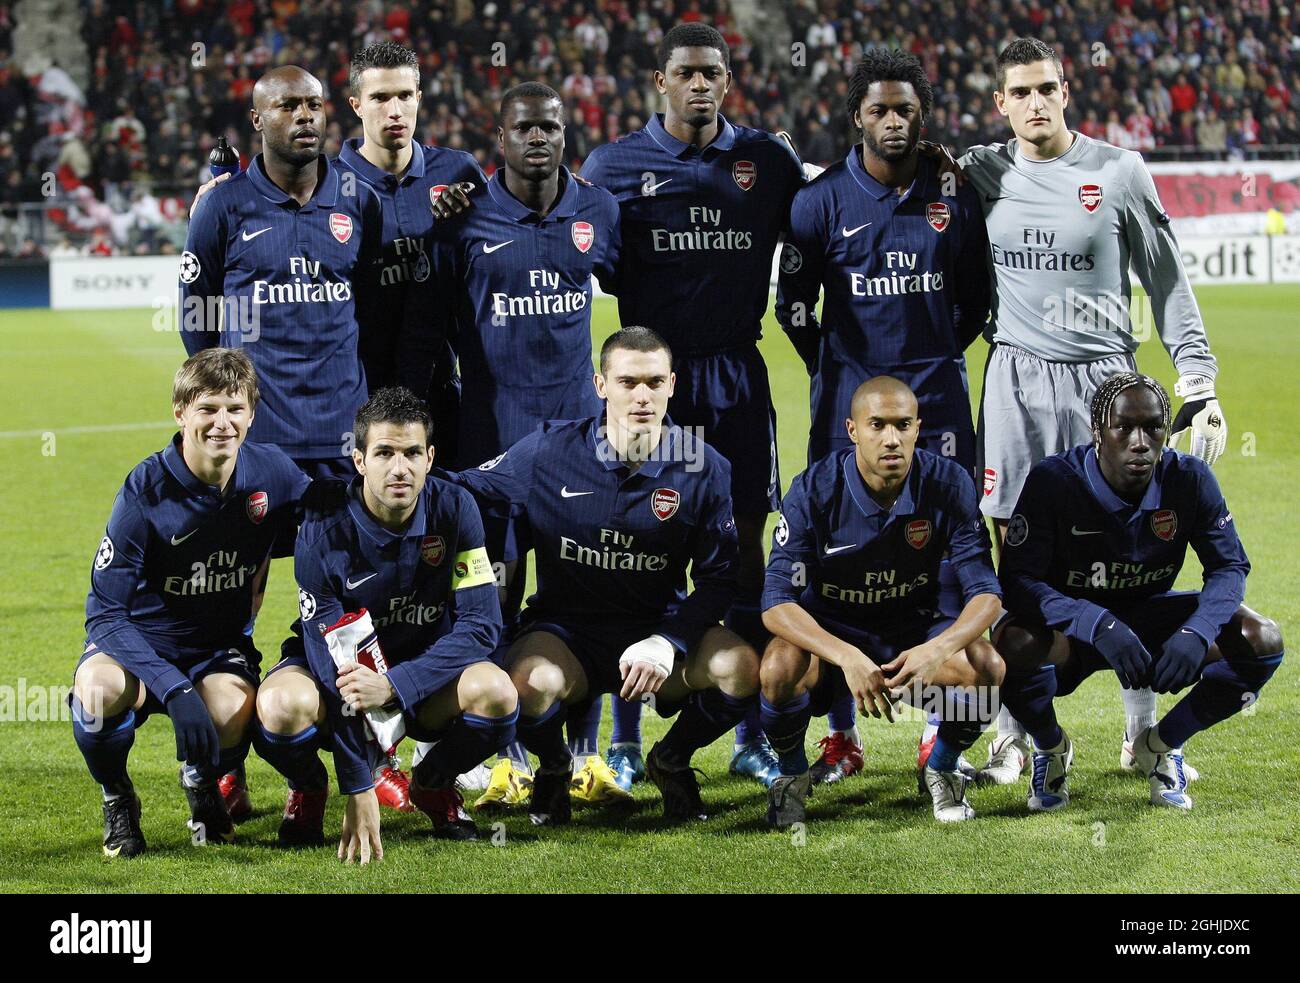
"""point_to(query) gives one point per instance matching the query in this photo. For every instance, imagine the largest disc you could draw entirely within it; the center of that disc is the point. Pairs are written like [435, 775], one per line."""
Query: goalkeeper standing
[1067, 215]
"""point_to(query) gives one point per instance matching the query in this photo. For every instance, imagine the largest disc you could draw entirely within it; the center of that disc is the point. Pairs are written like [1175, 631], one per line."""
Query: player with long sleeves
[1092, 551]
[407, 550]
[703, 204]
[171, 595]
[620, 507]
[511, 282]
[1067, 217]
[898, 249]
[852, 597]
[274, 261]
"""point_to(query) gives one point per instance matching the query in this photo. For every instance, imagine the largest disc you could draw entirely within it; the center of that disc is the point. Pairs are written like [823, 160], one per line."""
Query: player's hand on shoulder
[360, 838]
[581, 180]
[204, 188]
[943, 159]
[454, 201]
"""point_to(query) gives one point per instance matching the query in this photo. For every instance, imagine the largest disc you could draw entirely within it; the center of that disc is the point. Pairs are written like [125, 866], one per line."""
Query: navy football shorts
[726, 396]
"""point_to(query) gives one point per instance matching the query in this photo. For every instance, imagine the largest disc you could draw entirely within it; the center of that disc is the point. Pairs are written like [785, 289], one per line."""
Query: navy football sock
[468, 741]
[842, 715]
[293, 756]
[786, 726]
[708, 714]
[750, 729]
[745, 618]
[627, 720]
[958, 730]
[544, 737]
[105, 743]
[1225, 687]
[1029, 698]
[584, 733]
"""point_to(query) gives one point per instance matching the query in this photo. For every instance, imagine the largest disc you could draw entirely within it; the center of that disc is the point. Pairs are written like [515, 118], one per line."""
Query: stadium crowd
[167, 79]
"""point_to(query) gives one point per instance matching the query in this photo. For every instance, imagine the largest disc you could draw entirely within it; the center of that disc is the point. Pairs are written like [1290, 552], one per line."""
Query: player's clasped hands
[1180, 661]
[363, 689]
[915, 666]
[644, 666]
[869, 687]
[453, 201]
[360, 839]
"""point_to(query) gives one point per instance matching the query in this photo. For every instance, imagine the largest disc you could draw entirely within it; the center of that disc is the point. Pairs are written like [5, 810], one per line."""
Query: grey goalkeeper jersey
[1062, 234]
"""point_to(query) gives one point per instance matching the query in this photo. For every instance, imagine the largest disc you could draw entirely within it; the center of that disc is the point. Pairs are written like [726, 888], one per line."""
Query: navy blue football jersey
[613, 544]
[843, 558]
[514, 288]
[173, 576]
[280, 281]
[906, 289]
[1074, 548]
[699, 230]
[408, 217]
[429, 590]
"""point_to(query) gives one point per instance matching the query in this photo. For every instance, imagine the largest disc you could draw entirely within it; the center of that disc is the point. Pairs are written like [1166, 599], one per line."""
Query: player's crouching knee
[990, 668]
[1264, 635]
[1020, 648]
[102, 689]
[288, 708]
[487, 691]
[782, 669]
[736, 670]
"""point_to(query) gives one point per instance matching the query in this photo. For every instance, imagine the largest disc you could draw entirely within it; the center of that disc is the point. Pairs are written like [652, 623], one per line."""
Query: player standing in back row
[703, 204]
[1066, 216]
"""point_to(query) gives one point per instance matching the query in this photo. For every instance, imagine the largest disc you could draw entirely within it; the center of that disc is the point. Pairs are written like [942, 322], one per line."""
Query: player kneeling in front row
[405, 552]
[171, 595]
[852, 596]
[619, 507]
[1092, 552]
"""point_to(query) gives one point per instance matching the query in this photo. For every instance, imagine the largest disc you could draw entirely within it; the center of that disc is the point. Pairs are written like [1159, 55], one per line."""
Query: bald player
[274, 261]
[1067, 217]
[851, 595]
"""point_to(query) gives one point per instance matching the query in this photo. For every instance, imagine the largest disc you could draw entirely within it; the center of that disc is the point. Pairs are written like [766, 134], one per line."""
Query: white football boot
[1048, 787]
[1008, 754]
[1128, 762]
[1165, 770]
[948, 793]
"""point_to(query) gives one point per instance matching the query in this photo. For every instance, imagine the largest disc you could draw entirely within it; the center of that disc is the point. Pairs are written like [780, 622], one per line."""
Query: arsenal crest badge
[432, 550]
[918, 533]
[583, 235]
[664, 503]
[745, 174]
[990, 480]
[1090, 197]
[341, 226]
[938, 215]
[1164, 524]
[256, 507]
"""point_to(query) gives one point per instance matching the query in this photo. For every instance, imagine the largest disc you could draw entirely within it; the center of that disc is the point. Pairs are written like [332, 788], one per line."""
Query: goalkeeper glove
[1201, 414]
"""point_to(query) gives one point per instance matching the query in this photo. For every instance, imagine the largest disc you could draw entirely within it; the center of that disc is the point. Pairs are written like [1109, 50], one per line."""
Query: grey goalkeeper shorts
[1032, 408]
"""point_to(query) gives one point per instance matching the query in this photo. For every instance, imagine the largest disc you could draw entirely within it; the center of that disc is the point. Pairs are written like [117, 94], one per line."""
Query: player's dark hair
[693, 36]
[396, 405]
[633, 338]
[1026, 51]
[529, 90]
[888, 65]
[381, 54]
[1104, 398]
[215, 370]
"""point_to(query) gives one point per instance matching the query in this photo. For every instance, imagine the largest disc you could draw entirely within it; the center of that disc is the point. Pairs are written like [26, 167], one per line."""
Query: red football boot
[393, 788]
[447, 810]
[304, 818]
[839, 759]
[238, 802]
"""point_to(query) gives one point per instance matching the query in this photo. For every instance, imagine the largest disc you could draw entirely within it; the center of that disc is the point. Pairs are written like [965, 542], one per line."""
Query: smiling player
[1091, 555]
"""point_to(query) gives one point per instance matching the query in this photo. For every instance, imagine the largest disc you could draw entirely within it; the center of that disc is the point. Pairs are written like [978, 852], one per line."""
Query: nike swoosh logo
[846, 231]
[652, 188]
[499, 245]
[838, 549]
[1110, 626]
[565, 493]
[177, 542]
[188, 690]
[354, 584]
[1076, 531]
[247, 237]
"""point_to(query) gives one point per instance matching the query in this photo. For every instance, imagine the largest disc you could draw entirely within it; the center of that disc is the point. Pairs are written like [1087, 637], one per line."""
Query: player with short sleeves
[398, 575]
[1093, 548]
[621, 507]
[852, 598]
[172, 594]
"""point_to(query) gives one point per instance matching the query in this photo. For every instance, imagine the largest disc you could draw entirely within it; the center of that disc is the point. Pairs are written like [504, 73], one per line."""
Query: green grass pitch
[87, 370]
